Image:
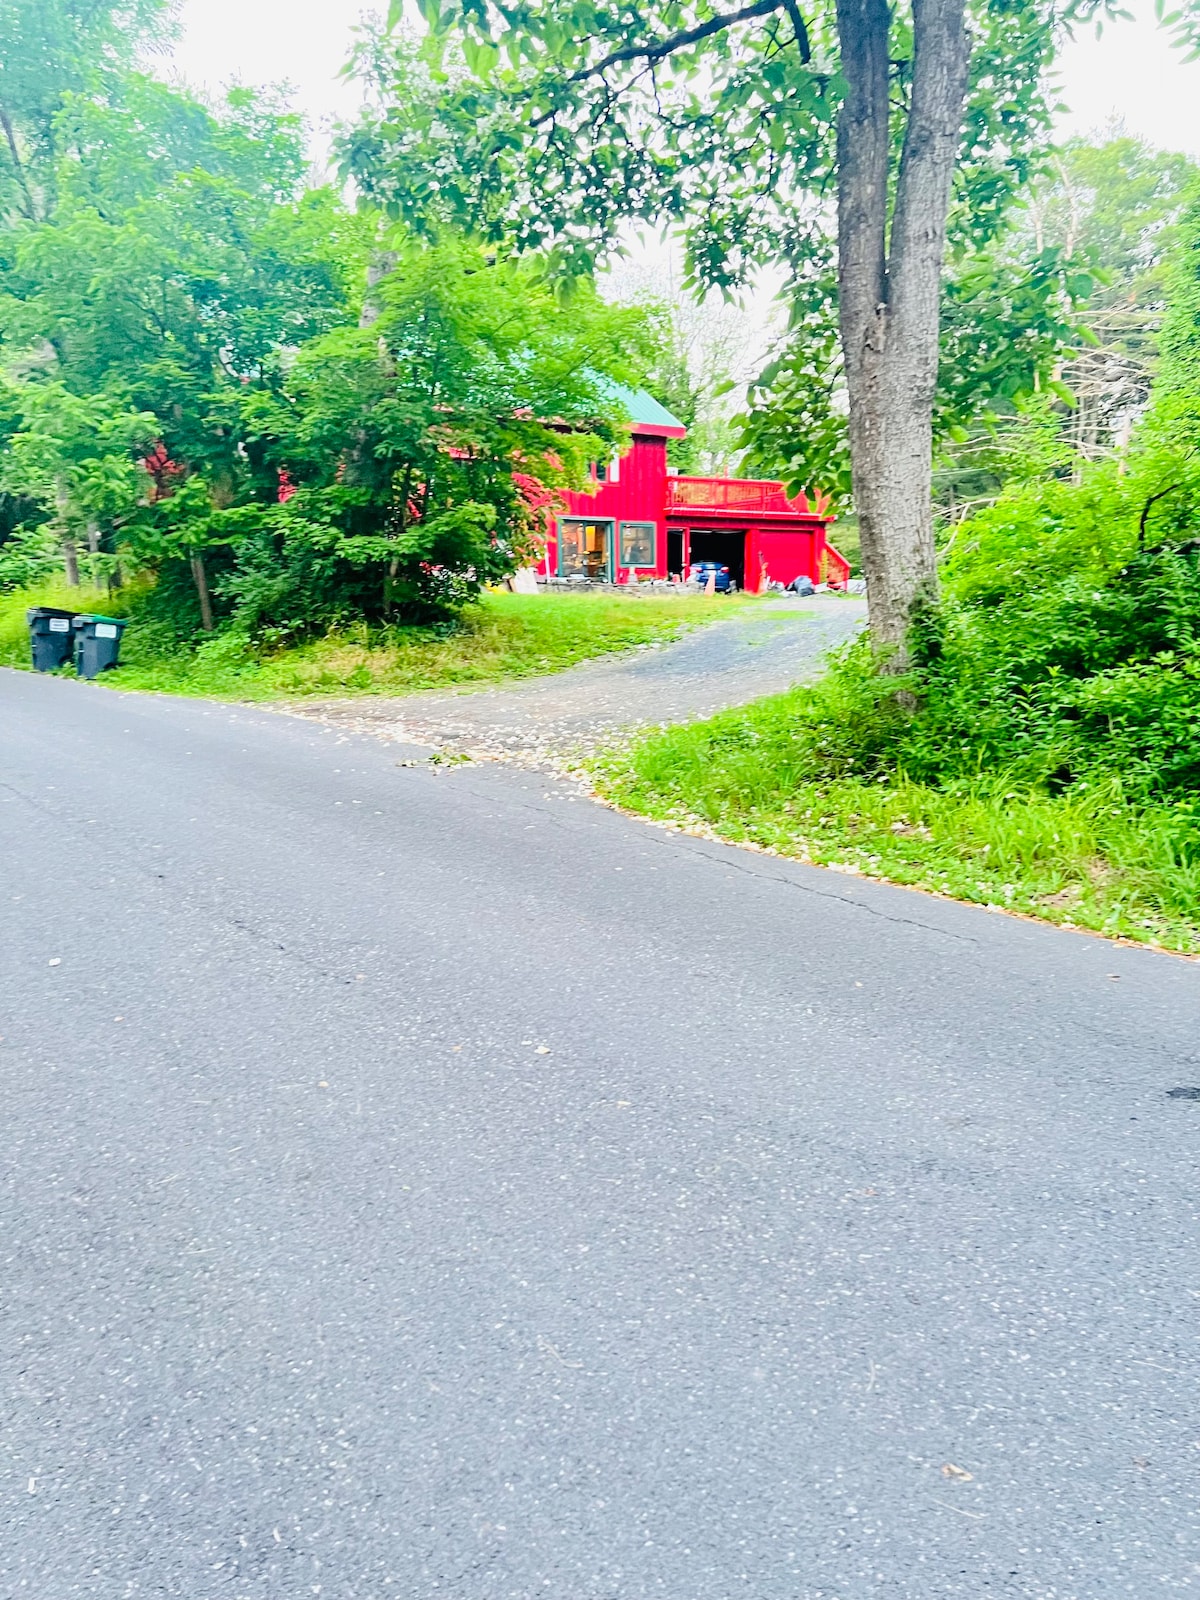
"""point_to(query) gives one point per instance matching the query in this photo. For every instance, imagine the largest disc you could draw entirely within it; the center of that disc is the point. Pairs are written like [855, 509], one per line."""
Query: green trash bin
[97, 644]
[51, 637]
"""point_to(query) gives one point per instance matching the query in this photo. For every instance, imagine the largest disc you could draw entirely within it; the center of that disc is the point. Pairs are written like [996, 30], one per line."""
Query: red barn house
[642, 521]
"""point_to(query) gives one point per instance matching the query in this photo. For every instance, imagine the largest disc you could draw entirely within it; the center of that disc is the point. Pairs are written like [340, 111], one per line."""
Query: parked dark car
[702, 571]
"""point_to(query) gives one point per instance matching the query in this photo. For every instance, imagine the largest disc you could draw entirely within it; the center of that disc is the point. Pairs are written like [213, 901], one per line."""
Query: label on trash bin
[60, 625]
[106, 630]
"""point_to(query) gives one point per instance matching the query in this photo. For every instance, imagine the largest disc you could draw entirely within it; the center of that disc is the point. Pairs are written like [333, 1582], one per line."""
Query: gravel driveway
[759, 651]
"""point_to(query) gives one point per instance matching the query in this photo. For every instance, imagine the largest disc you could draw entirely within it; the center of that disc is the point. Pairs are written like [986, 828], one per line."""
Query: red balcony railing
[745, 495]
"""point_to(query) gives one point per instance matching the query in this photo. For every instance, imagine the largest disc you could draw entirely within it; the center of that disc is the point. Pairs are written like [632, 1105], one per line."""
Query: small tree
[78, 458]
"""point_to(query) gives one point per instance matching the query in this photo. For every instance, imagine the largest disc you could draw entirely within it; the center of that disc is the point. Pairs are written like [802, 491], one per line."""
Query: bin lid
[83, 618]
[42, 613]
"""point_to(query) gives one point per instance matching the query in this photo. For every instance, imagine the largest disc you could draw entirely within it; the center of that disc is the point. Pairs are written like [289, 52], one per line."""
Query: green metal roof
[644, 408]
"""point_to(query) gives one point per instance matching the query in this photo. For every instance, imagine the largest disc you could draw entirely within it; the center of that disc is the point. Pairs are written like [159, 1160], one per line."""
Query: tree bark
[889, 295]
[70, 553]
[200, 579]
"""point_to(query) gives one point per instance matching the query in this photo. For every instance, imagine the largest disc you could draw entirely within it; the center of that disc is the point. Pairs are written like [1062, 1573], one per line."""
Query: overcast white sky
[1130, 72]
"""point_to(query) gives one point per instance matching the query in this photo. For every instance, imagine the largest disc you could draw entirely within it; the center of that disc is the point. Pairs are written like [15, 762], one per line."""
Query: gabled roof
[646, 415]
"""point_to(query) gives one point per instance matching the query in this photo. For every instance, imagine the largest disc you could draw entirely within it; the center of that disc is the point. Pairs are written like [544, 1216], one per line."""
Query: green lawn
[1085, 859]
[506, 636]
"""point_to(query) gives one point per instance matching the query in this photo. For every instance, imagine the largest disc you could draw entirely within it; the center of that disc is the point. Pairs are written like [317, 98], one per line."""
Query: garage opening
[726, 547]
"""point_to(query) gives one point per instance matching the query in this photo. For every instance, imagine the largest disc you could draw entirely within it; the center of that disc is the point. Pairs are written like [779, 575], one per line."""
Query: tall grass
[1087, 858]
[504, 637]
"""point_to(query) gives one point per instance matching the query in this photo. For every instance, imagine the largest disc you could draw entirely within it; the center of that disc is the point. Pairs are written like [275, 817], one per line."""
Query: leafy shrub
[29, 555]
[1065, 682]
[1062, 659]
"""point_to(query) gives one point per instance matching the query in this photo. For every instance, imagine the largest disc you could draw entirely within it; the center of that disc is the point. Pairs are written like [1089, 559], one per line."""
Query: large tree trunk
[889, 294]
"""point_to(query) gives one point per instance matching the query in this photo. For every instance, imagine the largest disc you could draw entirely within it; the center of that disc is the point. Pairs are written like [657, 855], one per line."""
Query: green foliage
[546, 123]
[74, 454]
[72, 461]
[1109, 212]
[1114, 204]
[504, 637]
[1066, 295]
[181, 267]
[1037, 532]
[1006, 324]
[182, 264]
[795, 426]
[1179, 378]
[52, 50]
[425, 442]
[28, 555]
[187, 332]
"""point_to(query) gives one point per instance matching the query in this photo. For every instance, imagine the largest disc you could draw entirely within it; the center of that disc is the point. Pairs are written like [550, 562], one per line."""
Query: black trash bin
[97, 644]
[50, 636]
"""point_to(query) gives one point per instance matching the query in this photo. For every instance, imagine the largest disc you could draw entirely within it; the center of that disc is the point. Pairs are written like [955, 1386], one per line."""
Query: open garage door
[723, 545]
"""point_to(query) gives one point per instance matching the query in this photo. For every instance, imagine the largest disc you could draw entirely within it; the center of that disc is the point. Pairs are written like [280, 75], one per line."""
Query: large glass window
[639, 544]
[583, 549]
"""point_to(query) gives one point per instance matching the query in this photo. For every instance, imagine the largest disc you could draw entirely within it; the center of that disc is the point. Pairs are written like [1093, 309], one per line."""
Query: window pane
[570, 549]
[638, 544]
[583, 549]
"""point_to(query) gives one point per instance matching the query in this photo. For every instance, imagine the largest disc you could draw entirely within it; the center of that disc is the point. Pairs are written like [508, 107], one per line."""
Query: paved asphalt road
[422, 1184]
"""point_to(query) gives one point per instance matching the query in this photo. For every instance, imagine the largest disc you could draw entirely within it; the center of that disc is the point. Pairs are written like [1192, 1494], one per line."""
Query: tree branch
[703, 30]
[1146, 512]
[18, 167]
[650, 53]
[800, 30]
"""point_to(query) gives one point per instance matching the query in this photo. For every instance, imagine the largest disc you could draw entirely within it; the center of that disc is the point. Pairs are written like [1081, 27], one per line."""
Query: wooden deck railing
[750, 495]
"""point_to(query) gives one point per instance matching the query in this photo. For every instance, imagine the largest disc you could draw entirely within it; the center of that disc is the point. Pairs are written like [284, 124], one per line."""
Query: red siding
[639, 495]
